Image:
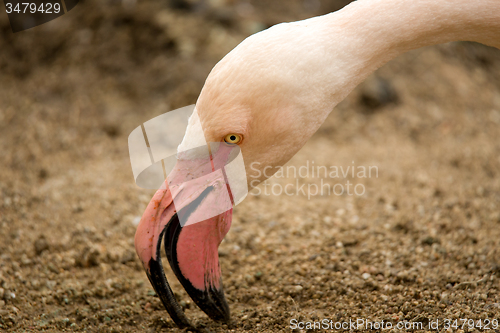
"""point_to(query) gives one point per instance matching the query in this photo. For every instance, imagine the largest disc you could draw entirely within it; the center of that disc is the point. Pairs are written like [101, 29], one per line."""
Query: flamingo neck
[367, 34]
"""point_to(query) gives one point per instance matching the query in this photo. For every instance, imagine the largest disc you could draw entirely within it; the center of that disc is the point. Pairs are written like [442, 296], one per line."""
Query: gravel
[421, 244]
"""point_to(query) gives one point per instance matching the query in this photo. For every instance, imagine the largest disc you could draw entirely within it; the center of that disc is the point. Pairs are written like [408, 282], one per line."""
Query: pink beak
[192, 214]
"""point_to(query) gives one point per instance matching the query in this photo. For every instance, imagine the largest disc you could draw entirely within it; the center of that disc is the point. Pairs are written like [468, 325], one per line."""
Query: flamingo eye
[233, 139]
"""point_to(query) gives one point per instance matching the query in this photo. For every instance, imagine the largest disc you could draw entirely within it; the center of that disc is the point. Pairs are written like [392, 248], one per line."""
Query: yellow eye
[233, 139]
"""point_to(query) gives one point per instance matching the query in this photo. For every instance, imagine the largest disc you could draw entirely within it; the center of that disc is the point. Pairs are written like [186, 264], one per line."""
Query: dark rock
[41, 245]
[377, 92]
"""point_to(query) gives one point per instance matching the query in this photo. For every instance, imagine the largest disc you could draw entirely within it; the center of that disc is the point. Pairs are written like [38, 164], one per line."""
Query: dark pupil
[233, 138]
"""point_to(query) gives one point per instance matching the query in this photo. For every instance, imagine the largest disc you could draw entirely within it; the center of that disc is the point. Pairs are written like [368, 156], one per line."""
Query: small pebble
[41, 245]
[136, 220]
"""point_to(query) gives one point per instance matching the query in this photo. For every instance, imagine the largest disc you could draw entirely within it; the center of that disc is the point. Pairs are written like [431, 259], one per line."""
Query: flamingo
[268, 96]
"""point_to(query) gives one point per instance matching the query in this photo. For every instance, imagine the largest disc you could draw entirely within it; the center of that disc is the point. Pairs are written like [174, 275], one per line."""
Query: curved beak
[192, 213]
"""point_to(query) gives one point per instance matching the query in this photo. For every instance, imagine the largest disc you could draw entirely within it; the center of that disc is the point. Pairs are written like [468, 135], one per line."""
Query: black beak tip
[159, 282]
[216, 305]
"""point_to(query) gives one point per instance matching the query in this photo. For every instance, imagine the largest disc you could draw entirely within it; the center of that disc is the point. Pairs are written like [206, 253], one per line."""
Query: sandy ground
[421, 244]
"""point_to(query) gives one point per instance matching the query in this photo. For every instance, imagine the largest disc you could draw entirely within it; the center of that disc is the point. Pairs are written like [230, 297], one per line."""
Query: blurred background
[422, 242]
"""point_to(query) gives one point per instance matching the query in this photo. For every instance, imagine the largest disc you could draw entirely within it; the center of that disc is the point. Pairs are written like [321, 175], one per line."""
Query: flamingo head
[250, 104]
